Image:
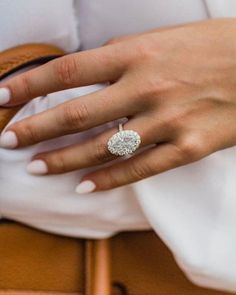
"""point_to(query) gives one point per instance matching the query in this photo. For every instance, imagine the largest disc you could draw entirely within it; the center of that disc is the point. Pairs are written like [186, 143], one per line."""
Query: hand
[177, 87]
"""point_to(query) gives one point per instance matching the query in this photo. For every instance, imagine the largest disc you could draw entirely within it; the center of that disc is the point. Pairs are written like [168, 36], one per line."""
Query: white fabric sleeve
[221, 8]
[28, 21]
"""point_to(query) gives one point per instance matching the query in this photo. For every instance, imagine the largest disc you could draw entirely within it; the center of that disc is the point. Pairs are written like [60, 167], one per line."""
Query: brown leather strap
[6, 115]
[13, 59]
[13, 292]
[21, 56]
[98, 267]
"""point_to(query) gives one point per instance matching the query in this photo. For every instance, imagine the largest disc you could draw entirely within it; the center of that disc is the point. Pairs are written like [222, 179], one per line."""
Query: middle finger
[108, 104]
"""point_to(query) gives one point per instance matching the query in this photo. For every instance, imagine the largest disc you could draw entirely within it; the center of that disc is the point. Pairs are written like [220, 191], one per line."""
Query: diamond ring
[124, 142]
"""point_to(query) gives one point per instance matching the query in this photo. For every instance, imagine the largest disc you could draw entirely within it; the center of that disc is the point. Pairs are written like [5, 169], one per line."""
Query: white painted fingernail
[85, 187]
[5, 95]
[8, 140]
[37, 167]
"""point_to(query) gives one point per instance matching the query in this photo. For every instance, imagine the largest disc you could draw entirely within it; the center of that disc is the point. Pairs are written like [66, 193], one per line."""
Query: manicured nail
[8, 140]
[85, 187]
[5, 95]
[37, 167]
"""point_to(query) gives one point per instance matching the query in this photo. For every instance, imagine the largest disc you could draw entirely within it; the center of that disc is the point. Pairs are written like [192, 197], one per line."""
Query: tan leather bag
[34, 263]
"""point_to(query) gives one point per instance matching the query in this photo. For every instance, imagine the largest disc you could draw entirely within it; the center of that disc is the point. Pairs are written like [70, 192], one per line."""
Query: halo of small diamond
[124, 142]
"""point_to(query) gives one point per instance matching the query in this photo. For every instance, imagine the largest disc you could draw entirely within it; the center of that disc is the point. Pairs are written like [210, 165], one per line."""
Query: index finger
[79, 69]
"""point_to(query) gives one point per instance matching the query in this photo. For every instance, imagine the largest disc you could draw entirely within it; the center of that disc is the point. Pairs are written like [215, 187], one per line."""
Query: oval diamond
[124, 142]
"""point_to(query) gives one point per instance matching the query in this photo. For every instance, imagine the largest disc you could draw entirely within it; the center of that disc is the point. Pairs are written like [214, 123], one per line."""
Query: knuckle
[66, 69]
[113, 41]
[160, 87]
[153, 87]
[26, 85]
[75, 117]
[146, 48]
[143, 49]
[29, 133]
[174, 118]
[172, 122]
[56, 162]
[111, 180]
[192, 148]
[169, 122]
[139, 172]
[59, 163]
[101, 153]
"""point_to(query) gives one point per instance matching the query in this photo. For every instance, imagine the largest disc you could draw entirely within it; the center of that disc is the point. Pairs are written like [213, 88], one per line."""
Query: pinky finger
[148, 163]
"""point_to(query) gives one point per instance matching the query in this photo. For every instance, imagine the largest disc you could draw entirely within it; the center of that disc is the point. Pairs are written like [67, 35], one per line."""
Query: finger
[77, 115]
[151, 162]
[93, 151]
[74, 70]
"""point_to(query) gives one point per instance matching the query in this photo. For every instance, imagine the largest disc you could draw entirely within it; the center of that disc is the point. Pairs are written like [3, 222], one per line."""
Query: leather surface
[23, 55]
[13, 292]
[6, 115]
[36, 261]
[142, 263]
[98, 267]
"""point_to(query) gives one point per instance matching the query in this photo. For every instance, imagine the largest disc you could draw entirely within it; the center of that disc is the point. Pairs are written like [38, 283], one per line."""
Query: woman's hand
[176, 86]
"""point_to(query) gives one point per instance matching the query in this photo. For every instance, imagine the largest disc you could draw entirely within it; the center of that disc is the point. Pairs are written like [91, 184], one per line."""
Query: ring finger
[94, 151]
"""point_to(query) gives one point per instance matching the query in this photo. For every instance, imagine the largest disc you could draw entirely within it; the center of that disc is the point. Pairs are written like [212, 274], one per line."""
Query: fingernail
[5, 95]
[37, 167]
[8, 140]
[85, 187]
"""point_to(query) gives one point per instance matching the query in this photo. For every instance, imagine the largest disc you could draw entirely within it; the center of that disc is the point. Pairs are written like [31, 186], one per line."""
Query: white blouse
[191, 208]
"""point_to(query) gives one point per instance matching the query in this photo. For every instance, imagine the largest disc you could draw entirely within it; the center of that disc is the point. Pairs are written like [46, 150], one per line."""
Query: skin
[176, 85]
